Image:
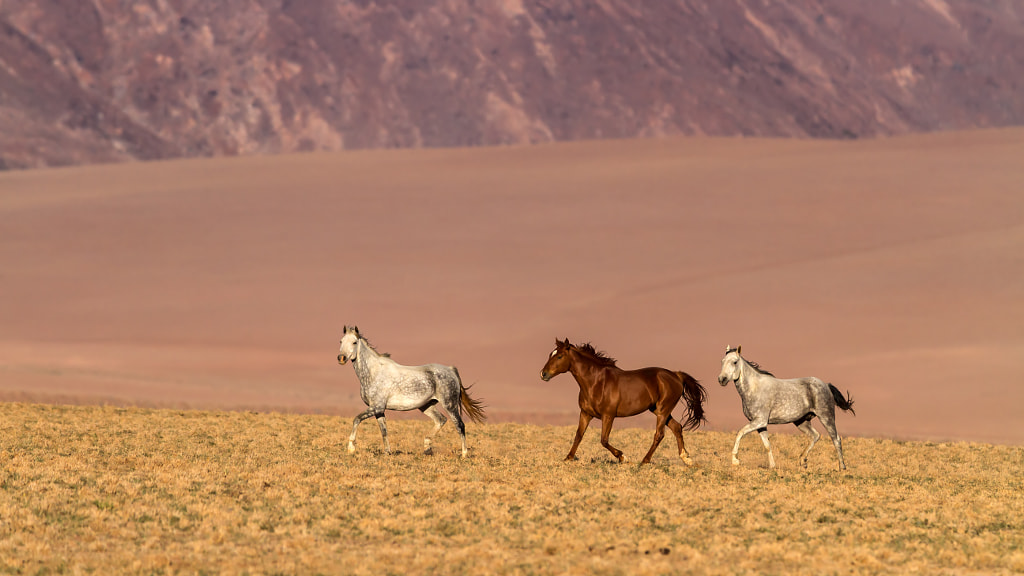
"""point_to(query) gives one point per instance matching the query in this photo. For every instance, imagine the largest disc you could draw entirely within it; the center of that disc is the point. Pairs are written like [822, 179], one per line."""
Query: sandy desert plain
[168, 334]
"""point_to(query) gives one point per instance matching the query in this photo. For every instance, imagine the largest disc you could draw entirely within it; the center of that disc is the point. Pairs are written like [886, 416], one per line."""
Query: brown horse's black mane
[598, 357]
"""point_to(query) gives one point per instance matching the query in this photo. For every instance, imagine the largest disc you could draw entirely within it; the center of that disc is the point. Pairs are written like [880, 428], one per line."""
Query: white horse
[770, 400]
[387, 385]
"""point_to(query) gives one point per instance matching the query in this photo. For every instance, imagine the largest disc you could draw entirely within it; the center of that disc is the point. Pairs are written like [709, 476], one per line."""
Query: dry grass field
[112, 490]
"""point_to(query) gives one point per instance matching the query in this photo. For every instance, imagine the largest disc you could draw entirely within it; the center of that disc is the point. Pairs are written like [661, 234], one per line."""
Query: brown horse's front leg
[606, 430]
[584, 422]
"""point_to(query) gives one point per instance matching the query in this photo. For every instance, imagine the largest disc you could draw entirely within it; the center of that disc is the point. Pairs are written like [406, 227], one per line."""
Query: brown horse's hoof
[688, 461]
[570, 458]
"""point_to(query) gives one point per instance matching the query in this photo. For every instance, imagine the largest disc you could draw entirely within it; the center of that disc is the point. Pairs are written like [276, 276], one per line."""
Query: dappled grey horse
[770, 400]
[387, 385]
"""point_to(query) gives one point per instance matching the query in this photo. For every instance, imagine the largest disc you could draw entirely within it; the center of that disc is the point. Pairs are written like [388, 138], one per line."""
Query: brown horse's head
[558, 361]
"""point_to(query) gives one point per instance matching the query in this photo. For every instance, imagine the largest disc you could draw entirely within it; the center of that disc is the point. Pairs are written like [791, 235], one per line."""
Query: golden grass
[107, 490]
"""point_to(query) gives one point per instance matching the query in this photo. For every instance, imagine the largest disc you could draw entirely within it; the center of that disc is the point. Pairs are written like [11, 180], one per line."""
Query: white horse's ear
[728, 348]
[738, 348]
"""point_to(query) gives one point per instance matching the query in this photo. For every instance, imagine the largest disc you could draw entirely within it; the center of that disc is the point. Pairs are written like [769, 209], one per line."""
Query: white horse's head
[349, 337]
[731, 369]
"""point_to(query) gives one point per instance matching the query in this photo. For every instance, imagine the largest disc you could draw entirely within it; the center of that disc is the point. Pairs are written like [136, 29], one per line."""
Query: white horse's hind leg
[830, 426]
[768, 447]
[439, 421]
[809, 430]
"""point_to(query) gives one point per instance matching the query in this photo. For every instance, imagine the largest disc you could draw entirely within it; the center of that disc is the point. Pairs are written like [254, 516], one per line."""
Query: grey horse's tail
[474, 408]
[844, 402]
[695, 396]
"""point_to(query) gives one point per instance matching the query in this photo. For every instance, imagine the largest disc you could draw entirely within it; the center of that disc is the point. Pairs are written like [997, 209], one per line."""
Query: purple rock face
[98, 80]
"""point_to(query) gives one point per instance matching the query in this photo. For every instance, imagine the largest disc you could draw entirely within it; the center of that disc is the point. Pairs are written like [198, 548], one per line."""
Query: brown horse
[607, 392]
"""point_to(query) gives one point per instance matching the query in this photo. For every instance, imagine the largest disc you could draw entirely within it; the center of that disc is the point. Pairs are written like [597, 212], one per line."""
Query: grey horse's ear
[738, 348]
[728, 348]
[356, 330]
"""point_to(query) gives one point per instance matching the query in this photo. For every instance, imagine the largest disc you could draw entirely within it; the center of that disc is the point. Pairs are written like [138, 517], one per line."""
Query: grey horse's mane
[359, 336]
[753, 364]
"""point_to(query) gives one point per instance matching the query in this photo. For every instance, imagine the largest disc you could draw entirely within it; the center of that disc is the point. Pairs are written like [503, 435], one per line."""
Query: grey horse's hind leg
[806, 428]
[355, 425]
[451, 398]
[439, 421]
[829, 422]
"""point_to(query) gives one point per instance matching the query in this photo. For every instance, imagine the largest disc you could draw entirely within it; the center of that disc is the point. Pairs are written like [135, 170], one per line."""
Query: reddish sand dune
[893, 268]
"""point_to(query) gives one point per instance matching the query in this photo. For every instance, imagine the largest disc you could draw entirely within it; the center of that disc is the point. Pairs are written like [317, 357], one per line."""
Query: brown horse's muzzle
[545, 376]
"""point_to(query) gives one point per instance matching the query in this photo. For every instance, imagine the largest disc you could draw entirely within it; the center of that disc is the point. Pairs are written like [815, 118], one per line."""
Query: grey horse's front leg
[355, 425]
[743, 432]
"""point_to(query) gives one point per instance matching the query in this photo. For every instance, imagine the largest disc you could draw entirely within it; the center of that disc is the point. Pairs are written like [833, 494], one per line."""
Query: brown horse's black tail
[844, 402]
[695, 396]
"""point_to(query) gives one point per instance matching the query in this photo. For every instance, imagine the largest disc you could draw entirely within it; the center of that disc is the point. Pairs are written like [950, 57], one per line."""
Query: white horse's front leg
[355, 425]
[743, 432]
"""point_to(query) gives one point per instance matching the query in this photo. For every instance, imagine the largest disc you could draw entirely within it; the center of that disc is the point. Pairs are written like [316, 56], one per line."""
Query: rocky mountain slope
[106, 80]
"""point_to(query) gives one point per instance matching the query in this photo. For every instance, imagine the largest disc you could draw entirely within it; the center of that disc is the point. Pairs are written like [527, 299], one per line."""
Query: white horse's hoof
[735, 461]
[351, 448]
[429, 451]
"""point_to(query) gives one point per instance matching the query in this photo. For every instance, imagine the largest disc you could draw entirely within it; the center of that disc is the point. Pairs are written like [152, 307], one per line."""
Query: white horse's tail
[844, 402]
[473, 407]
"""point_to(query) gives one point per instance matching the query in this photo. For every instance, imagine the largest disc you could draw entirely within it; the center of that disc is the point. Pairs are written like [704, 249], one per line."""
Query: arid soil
[114, 491]
[892, 268]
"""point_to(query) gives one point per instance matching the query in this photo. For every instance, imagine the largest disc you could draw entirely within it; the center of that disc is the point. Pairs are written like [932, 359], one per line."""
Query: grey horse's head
[730, 366]
[349, 337]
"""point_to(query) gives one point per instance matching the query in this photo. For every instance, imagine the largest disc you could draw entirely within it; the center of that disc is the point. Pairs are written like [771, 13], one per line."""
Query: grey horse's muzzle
[342, 359]
[723, 380]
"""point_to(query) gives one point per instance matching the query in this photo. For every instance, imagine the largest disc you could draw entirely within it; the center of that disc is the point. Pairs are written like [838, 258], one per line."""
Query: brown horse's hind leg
[606, 431]
[659, 434]
[677, 429]
[584, 422]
